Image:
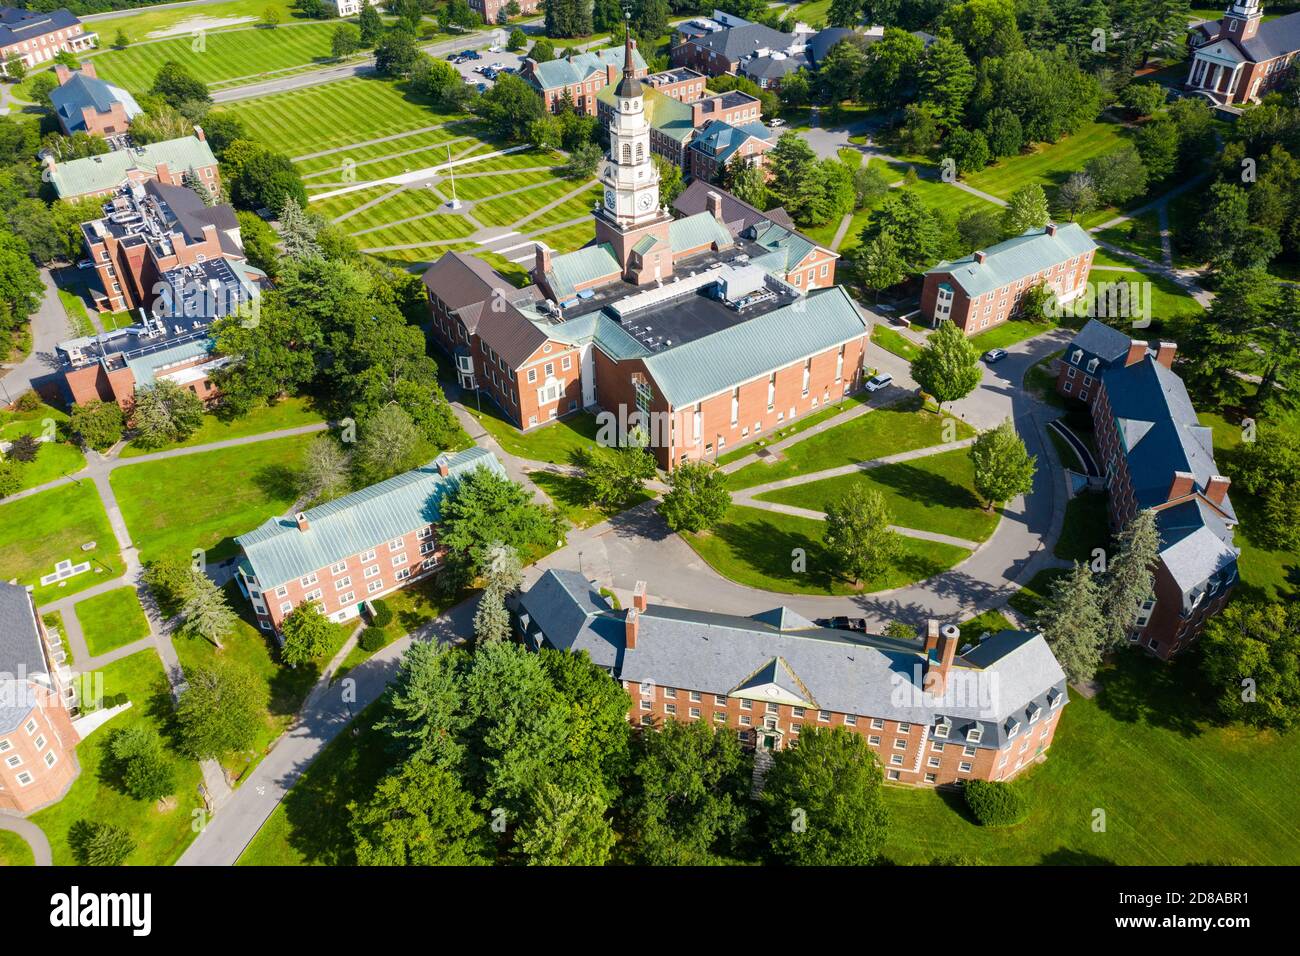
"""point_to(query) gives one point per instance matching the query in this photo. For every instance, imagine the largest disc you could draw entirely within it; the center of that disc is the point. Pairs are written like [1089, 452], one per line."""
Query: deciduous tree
[1003, 466]
[948, 367]
[859, 536]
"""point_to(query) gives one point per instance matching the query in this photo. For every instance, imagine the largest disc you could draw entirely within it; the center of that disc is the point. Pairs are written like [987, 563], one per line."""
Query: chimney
[1137, 349]
[88, 69]
[301, 518]
[543, 262]
[162, 173]
[443, 470]
[638, 596]
[1217, 488]
[1165, 353]
[1182, 485]
[1051, 229]
[697, 114]
[611, 72]
[47, 159]
[980, 256]
[714, 202]
[938, 662]
[61, 73]
[630, 625]
[198, 131]
[931, 635]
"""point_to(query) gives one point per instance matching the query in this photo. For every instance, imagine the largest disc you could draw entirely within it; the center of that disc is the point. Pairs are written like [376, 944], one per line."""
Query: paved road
[34, 836]
[50, 326]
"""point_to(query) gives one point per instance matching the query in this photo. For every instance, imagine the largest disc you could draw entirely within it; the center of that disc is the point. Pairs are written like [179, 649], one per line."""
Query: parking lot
[469, 68]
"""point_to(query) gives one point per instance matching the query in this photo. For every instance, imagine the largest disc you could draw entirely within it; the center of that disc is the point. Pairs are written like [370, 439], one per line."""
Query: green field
[200, 501]
[1174, 787]
[1168, 300]
[14, 850]
[875, 434]
[161, 831]
[286, 413]
[54, 459]
[111, 620]
[935, 493]
[758, 548]
[38, 532]
[1008, 333]
[145, 23]
[559, 443]
[1049, 164]
[891, 340]
[571, 495]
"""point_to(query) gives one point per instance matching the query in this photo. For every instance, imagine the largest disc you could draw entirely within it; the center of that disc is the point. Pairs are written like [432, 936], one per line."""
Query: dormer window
[942, 727]
[1034, 713]
[1054, 698]
[1092, 365]
[1013, 727]
[975, 734]
[1076, 356]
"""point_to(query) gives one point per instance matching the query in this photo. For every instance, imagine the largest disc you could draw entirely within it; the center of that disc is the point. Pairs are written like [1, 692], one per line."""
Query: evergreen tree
[297, 231]
[426, 715]
[1074, 625]
[222, 709]
[1129, 577]
[491, 620]
[565, 829]
[205, 612]
[945, 80]
[306, 634]
[420, 816]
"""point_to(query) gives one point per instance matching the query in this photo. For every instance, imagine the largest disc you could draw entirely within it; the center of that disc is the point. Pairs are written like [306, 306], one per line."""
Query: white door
[588, 377]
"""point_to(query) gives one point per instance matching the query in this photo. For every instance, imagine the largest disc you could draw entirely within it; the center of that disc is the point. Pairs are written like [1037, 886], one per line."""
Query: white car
[496, 48]
[776, 122]
[877, 382]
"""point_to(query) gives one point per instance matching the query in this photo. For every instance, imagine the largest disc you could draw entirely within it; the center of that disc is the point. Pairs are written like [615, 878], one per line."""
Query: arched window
[640, 152]
[627, 152]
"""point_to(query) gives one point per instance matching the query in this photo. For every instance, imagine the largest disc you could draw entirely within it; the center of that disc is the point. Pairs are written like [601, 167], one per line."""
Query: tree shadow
[1139, 688]
[277, 481]
[1069, 856]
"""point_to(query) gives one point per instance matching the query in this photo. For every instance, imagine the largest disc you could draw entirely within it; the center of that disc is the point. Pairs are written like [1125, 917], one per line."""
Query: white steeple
[630, 178]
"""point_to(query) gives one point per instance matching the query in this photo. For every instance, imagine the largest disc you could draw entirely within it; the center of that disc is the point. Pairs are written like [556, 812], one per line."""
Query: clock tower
[631, 218]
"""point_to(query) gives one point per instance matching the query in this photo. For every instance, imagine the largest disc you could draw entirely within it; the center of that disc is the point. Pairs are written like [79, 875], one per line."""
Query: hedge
[372, 639]
[996, 804]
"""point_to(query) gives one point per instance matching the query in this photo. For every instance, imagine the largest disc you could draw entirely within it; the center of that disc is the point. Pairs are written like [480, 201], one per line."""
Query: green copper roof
[792, 246]
[568, 71]
[599, 328]
[712, 364]
[702, 229]
[671, 117]
[1017, 258]
[279, 552]
[145, 367]
[94, 174]
[583, 265]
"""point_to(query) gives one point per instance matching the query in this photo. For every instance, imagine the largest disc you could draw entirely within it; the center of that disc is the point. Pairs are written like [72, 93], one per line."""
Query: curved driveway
[35, 837]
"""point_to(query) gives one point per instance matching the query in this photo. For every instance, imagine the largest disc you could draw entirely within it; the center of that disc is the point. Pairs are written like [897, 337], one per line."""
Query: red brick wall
[973, 315]
[53, 730]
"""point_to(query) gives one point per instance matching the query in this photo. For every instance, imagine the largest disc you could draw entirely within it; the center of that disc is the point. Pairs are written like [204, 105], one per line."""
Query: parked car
[481, 87]
[877, 382]
[490, 73]
[85, 264]
[776, 122]
[495, 48]
[471, 54]
[995, 355]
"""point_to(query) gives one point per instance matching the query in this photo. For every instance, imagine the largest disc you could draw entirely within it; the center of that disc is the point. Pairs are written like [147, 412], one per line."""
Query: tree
[170, 582]
[1002, 465]
[1266, 468]
[979, 228]
[869, 185]
[844, 13]
[100, 844]
[441, 82]
[20, 284]
[1073, 624]
[491, 619]
[1026, 209]
[325, 467]
[11, 477]
[419, 816]
[986, 28]
[565, 829]
[15, 68]
[969, 150]
[859, 536]
[426, 717]
[1003, 132]
[748, 183]
[146, 772]
[615, 477]
[996, 803]
[390, 444]
[371, 25]
[165, 412]
[222, 709]
[880, 263]
[205, 611]
[822, 801]
[510, 107]
[891, 67]
[1251, 659]
[697, 497]
[486, 508]
[1157, 144]
[176, 86]
[396, 53]
[796, 89]
[670, 179]
[260, 178]
[24, 448]
[839, 76]
[1143, 99]
[685, 804]
[1077, 194]
[917, 230]
[306, 634]
[583, 162]
[945, 80]
[1118, 175]
[97, 425]
[518, 40]
[1129, 577]
[948, 367]
[345, 40]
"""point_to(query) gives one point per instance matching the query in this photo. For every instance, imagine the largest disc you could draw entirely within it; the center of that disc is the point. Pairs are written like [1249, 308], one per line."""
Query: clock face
[609, 198]
[645, 201]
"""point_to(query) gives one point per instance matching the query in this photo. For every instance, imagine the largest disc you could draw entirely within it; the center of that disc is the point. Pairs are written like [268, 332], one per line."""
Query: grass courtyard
[286, 413]
[14, 850]
[112, 620]
[38, 532]
[54, 459]
[161, 830]
[175, 506]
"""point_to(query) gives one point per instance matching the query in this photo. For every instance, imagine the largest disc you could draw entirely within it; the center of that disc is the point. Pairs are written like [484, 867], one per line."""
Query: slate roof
[100, 173]
[1196, 546]
[1274, 38]
[1100, 340]
[17, 26]
[191, 213]
[1016, 258]
[583, 265]
[21, 652]
[464, 283]
[569, 71]
[774, 67]
[278, 552]
[837, 670]
[702, 229]
[742, 41]
[825, 41]
[712, 364]
[81, 92]
[721, 140]
[737, 214]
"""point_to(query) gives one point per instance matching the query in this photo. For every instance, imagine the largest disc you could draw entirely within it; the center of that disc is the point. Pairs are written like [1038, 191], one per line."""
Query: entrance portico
[1217, 72]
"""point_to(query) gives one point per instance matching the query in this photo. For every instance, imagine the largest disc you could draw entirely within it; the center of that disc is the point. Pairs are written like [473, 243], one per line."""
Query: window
[745, 720]
[40, 742]
[900, 743]
[974, 734]
[308, 580]
[941, 730]
[342, 583]
[282, 592]
[424, 533]
[286, 607]
[695, 713]
[933, 762]
[396, 544]
[313, 595]
[877, 723]
[347, 599]
[719, 717]
[5, 745]
[566, 363]
[427, 547]
[929, 778]
[896, 759]
[904, 728]
[532, 377]
[338, 568]
[399, 559]
[14, 761]
[696, 696]
[646, 705]
[963, 767]
[24, 778]
[374, 586]
[368, 556]
[51, 759]
[850, 720]
[720, 700]
[372, 571]
[670, 710]
[746, 705]
[968, 751]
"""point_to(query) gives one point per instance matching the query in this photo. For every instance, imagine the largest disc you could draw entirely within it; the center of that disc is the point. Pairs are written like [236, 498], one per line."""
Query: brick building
[581, 76]
[83, 103]
[720, 144]
[493, 11]
[1156, 454]
[174, 162]
[1240, 57]
[355, 549]
[37, 38]
[985, 288]
[933, 713]
[1096, 348]
[38, 761]
[683, 85]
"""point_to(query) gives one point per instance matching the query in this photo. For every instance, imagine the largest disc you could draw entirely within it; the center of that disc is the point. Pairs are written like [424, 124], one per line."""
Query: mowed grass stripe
[508, 209]
[428, 229]
[579, 205]
[224, 55]
[364, 157]
[569, 238]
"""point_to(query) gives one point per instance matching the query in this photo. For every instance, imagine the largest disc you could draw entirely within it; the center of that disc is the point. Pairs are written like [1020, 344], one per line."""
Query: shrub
[372, 639]
[28, 402]
[995, 803]
[383, 614]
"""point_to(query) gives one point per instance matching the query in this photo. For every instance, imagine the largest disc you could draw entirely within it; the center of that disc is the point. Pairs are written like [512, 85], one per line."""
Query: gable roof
[582, 266]
[463, 283]
[21, 654]
[1016, 258]
[95, 174]
[670, 117]
[1098, 339]
[1273, 39]
[568, 71]
[721, 140]
[737, 214]
[791, 247]
[702, 229]
[278, 552]
[82, 92]
[714, 363]
[736, 42]
[18, 25]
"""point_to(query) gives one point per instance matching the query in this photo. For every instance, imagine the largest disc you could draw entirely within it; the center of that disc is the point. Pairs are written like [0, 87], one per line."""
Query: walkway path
[34, 835]
[50, 326]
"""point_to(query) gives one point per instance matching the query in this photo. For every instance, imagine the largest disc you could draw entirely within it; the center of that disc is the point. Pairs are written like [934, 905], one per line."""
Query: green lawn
[287, 686]
[112, 619]
[1140, 234]
[287, 413]
[54, 459]
[1008, 333]
[38, 532]
[875, 434]
[558, 442]
[161, 833]
[570, 495]
[1049, 164]
[412, 608]
[1175, 788]
[1086, 527]
[759, 549]
[1169, 302]
[14, 850]
[1030, 598]
[846, 403]
[150, 22]
[75, 308]
[990, 622]
[935, 493]
[225, 493]
[891, 340]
